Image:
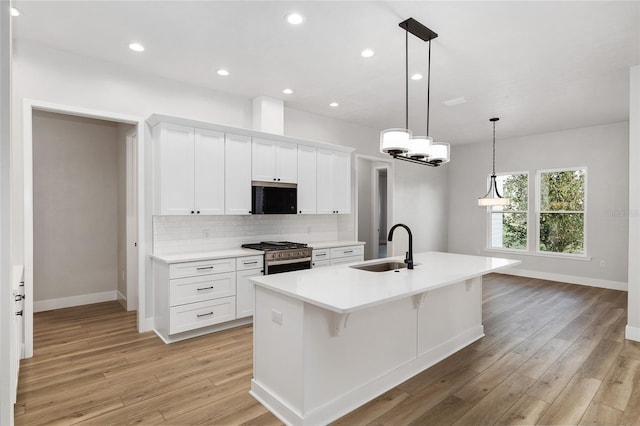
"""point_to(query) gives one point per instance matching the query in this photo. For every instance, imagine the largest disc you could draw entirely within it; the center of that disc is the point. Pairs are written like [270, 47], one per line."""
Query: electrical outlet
[276, 316]
[603, 263]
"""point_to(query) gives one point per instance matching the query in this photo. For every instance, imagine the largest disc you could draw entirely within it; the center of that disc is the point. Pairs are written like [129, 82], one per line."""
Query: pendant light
[493, 197]
[400, 143]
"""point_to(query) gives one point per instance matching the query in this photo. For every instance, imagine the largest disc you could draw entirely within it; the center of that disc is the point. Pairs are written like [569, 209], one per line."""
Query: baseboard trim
[67, 302]
[122, 299]
[632, 333]
[571, 279]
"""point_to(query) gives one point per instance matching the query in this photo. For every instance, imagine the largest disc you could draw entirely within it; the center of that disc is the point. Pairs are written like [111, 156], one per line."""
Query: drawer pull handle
[348, 251]
[250, 263]
[205, 288]
[321, 254]
[204, 315]
[201, 268]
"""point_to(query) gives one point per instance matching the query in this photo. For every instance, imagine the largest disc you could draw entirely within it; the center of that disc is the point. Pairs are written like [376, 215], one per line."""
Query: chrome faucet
[409, 256]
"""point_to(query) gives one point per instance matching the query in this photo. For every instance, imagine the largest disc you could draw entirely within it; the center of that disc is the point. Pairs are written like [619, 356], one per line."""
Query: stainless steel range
[283, 256]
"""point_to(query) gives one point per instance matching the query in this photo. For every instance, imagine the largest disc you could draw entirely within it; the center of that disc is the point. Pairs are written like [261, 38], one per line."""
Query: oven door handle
[288, 261]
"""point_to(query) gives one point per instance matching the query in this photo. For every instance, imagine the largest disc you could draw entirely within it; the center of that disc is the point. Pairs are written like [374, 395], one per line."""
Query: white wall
[75, 198]
[602, 149]
[633, 325]
[6, 301]
[365, 212]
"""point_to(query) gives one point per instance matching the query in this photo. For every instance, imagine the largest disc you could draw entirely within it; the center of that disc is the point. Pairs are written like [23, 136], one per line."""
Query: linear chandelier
[400, 143]
[493, 197]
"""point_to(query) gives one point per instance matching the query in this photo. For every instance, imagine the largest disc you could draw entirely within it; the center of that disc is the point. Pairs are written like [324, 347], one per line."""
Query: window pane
[509, 230]
[515, 188]
[562, 190]
[562, 232]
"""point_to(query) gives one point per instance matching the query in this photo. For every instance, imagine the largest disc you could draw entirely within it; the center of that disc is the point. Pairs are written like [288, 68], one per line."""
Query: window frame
[538, 213]
[490, 214]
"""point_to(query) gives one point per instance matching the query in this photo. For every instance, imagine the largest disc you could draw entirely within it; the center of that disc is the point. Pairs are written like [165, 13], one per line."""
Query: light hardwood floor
[553, 354]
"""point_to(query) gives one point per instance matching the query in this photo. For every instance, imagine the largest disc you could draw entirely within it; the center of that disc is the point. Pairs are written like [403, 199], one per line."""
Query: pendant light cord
[428, 86]
[406, 79]
[494, 148]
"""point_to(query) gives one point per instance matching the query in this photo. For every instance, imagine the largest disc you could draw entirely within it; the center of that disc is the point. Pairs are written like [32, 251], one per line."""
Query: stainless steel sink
[381, 267]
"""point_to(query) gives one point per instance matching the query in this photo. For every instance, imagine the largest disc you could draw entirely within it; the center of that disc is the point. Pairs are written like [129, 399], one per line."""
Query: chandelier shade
[395, 141]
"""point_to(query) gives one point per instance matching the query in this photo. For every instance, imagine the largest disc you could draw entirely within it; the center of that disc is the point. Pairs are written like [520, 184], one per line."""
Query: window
[561, 211]
[508, 224]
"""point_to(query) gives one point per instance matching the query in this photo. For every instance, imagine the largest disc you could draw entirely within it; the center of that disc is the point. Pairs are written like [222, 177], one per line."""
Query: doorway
[374, 204]
[131, 128]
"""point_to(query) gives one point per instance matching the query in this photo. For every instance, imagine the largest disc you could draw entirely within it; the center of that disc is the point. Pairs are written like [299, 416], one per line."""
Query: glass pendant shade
[493, 197]
[440, 152]
[420, 147]
[395, 141]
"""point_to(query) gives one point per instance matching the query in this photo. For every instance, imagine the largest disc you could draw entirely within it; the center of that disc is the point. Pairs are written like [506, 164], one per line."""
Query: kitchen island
[328, 340]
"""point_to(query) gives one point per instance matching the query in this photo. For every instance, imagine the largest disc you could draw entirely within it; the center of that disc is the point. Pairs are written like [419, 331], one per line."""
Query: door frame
[375, 201]
[131, 228]
[29, 105]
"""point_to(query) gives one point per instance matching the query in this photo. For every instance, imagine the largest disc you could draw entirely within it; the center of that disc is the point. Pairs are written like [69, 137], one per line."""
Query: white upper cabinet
[334, 182]
[209, 172]
[274, 161]
[189, 169]
[237, 179]
[307, 179]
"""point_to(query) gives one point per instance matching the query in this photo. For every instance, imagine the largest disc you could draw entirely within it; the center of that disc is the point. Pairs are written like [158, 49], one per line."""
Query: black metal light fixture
[400, 143]
[493, 197]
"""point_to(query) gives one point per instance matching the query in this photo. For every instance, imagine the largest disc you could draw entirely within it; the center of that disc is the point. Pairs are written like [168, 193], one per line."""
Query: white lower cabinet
[247, 267]
[337, 255]
[193, 295]
[201, 314]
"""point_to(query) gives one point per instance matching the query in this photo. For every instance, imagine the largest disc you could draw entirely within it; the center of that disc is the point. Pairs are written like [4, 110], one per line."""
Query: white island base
[315, 362]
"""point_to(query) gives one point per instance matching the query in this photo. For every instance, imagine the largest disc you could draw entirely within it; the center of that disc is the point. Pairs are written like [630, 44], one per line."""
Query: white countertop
[343, 289]
[205, 255]
[332, 244]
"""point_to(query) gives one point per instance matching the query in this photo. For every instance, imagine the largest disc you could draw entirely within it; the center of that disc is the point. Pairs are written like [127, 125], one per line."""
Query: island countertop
[343, 289]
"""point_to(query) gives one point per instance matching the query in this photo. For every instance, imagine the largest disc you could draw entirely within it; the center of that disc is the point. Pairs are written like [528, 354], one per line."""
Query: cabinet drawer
[348, 259]
[249, 262]
[322, 254]
[349, 251]
[202, 267]
[201, 314]
[197, 289]
[320, 263]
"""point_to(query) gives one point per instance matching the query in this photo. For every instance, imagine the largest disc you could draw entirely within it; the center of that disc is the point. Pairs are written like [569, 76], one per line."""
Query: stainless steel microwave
[274, 198]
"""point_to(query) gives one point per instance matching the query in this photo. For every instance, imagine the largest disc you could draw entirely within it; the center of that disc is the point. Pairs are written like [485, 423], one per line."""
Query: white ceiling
[539, 66]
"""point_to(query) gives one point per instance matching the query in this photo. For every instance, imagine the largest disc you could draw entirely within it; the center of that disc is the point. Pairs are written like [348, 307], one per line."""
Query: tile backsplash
[176, 234]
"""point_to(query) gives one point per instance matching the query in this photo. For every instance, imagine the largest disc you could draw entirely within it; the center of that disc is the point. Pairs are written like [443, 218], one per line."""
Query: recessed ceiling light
[136, 47]
[367, 53]
[287, 91]
[334, 104]
[455, 101]
[223, 72]
[15, 12]
[416, 76]
[294, 18]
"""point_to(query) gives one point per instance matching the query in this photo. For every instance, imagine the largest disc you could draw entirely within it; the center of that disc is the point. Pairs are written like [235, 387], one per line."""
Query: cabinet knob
[192, 211]
[274, 178]
[278, 179]
[198, 212]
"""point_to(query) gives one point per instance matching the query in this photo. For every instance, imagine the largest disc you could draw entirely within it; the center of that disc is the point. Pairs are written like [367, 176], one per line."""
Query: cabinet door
[245, 292]
[209, 172]
[175, 161]
[306, 179]
[324, 195]
[287, 162]
[263, 160]
[237, 181]
[341, 173]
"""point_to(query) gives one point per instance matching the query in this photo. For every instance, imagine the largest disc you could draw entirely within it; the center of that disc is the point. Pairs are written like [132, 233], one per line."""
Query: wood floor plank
[620, 383]
[526, 411]
[493, 406]
[601, 415]
[572, 403]
[91, 366]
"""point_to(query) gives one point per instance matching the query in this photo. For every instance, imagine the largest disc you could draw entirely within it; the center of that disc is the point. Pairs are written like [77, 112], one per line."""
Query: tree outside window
[508, 224]
[561, 216]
